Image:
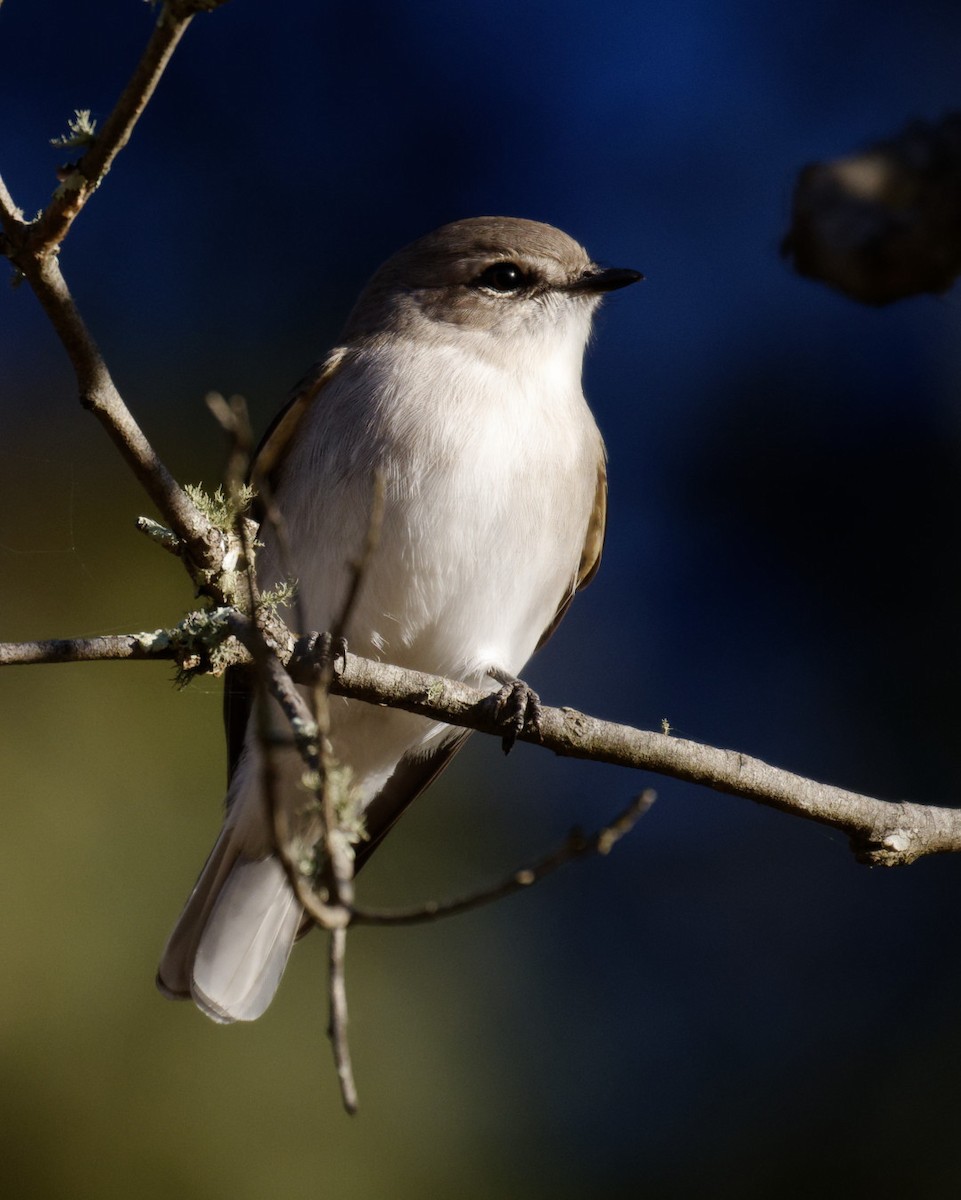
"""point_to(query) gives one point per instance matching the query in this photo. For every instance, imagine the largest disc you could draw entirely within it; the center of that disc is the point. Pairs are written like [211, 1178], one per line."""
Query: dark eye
[502, 277]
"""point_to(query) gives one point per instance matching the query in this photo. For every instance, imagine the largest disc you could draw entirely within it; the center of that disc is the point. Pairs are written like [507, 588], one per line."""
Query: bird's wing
[411, 776]
[265, 470]
[590, 555]
[276, 441]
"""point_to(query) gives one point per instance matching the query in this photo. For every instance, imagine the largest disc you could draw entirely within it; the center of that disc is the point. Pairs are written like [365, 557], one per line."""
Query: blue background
[728, 1005]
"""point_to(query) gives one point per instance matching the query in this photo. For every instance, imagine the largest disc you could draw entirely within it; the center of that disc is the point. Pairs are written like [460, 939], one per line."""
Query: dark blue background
[728, 1005]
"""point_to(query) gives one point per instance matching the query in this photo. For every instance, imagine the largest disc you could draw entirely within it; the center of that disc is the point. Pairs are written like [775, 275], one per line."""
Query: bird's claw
[517, 707]
[327, 652]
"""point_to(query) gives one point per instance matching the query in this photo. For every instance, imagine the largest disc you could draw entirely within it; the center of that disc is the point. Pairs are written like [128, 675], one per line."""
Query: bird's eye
[502, 277]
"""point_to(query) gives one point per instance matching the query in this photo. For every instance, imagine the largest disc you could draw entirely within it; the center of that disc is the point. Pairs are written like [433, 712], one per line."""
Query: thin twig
[11, 216]
[337, 1028]
[310, 726]
[312, 733]
[234, 419]
[32, 248]
[109, 648]
[271, 678]
[338, 851]
[332, 917]
[98, 393]
[304, 728]
[86, 175]
[335, 914]
[576, 846]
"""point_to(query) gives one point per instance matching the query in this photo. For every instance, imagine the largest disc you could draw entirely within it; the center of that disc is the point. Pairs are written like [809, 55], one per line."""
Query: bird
[457, 382]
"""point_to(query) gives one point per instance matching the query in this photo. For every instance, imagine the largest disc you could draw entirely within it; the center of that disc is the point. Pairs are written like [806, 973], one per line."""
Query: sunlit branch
[882, 832]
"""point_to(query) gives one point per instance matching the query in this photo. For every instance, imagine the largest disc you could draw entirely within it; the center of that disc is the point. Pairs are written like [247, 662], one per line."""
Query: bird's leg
[516, 707]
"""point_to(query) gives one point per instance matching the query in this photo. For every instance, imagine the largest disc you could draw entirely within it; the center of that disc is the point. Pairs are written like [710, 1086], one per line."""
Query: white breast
[490, 481]
[490, 477]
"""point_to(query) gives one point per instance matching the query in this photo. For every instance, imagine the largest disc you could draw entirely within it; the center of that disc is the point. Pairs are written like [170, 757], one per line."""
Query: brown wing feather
[590, 555]
[238, 702]
[410, 778]
[275, 443]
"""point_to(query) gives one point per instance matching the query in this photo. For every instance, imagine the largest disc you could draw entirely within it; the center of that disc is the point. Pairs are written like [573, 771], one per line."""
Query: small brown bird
[458, 378]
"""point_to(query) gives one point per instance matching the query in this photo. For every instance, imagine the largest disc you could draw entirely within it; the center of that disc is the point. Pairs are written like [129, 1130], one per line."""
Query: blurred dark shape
[884, 223]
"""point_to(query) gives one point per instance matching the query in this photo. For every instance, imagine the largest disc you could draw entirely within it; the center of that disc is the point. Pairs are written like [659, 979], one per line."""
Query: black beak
[607, 279]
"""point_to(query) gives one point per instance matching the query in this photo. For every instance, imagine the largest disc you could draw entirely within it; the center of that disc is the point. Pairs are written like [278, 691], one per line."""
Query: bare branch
[882, 832]
[339, 852]
[11, 217]
[333, 908]
[576, 846]
[337, 1029]
[95, 649]
[334, 916]
[86, 175]
[32, 248]
[204, 545]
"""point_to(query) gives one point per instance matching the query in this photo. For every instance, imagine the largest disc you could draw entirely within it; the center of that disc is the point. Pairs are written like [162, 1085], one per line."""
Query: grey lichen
[219, 508]
[227, 512]
[81, 131]
[204, 645]
[337, 785]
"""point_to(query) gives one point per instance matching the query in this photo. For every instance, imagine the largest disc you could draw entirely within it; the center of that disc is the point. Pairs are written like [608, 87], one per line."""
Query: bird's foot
[325, 653]
[517, 707]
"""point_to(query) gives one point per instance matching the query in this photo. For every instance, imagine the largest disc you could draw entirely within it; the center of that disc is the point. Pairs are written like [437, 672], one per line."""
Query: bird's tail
[229, 948]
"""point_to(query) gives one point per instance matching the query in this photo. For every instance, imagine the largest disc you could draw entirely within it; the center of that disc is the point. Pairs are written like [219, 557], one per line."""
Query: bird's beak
[604, 279]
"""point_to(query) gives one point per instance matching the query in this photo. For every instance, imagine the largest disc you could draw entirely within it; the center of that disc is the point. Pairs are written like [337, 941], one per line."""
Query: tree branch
[337, 1025]
[204, 545]
[86, 175]
[882, 832]
[576, 846]
[111, 648]
[32, 247]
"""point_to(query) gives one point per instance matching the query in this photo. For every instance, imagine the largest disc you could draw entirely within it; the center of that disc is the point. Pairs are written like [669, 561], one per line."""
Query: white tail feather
[246, 942]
